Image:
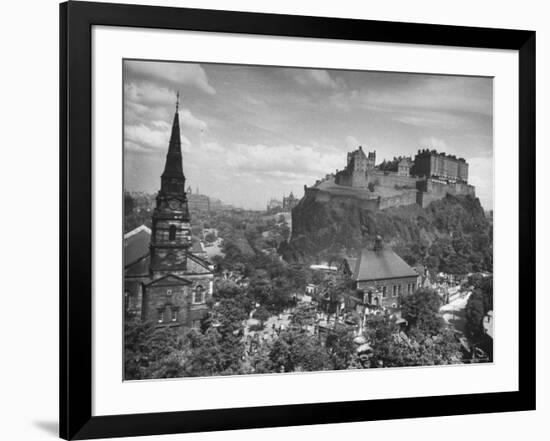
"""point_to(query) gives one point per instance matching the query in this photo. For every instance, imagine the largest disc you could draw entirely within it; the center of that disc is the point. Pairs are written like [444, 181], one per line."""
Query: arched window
[198, 295]
[161, 315]
[172, 233]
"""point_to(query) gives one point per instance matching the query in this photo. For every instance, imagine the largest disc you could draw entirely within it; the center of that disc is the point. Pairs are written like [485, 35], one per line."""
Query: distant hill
[451, 234]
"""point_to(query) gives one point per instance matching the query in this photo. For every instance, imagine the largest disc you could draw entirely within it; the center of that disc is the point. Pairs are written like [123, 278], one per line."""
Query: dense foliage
[450, 235]
[479, 304]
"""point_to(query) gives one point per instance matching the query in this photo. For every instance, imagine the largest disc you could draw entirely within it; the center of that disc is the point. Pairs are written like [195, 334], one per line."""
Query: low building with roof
[381, 275]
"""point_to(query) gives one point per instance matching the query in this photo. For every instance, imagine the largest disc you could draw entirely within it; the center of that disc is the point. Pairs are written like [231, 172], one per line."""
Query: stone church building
[166, 282]
[381, 275]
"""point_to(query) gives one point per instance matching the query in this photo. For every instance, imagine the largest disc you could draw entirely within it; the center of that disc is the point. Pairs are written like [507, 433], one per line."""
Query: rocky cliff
[451, 234]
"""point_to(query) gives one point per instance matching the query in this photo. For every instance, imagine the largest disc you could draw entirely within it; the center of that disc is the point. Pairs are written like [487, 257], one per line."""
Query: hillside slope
[451, 234]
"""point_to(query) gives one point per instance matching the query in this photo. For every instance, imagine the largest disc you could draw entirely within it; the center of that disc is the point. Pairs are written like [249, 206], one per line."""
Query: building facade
[197, 202]
[169, 285]
[381, 275]
[355, 173]
[432, 164]
[289, 202]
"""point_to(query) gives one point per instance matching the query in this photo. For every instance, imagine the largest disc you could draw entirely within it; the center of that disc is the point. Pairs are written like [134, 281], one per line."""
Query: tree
[202, 356]
[229, 290]
[340, 347]
[474, 313]
[379, 332]
[479, 304]
[210, 237]
[298, 351]
[391, 348]
[228, 317]
[129, 203]
[145, 346]
[261, 313]
[421, 310]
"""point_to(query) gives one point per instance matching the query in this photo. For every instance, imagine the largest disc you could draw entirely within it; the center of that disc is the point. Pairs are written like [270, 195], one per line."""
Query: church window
[198, 295]
[174, 314]
[384, 291]
[172, 232]
[161, 316]
[168, 292]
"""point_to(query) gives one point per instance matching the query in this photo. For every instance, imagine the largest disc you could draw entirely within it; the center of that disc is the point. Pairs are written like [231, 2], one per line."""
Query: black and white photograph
[282, 220]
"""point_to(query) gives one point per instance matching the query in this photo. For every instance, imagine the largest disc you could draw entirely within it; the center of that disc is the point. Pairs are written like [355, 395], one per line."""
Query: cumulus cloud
[143, 138]
[189, 120]
[175, 74]
[431, 142]
[148, 105]
[299, 160]
[351, 142]
[314, 77]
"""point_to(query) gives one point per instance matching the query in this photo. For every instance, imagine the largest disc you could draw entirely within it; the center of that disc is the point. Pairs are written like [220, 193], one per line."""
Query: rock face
[326, 230]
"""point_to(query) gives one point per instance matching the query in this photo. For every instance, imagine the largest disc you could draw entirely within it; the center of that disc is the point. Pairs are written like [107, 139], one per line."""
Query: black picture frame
[76, 21]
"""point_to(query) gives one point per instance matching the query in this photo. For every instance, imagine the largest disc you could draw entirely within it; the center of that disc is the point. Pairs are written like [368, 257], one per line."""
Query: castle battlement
[404, 181]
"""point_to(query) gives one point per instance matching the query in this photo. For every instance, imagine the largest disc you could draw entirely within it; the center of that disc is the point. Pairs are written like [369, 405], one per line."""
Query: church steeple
[173, 179]
[171, 234]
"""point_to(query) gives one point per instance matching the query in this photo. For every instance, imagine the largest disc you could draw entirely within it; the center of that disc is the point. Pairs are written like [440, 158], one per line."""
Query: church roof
[136, 244]
[379, 264]
[169, 280]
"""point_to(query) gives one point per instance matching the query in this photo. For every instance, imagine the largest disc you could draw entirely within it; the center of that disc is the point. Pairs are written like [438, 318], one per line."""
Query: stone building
[355, 173]
[404, 167]
[170, 284]
[381, 275]
[430, 177]
[289, 202]
[432, 164]
[197, 202]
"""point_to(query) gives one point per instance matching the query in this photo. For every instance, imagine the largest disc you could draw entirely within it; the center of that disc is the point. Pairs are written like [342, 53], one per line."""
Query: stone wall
[408, 197]
[326, 196]
[391, 179]
[432, 190]
[176, 304]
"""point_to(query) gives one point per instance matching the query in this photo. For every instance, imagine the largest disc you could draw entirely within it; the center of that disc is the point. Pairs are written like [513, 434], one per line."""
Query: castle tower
[371, 160]
[171, 236]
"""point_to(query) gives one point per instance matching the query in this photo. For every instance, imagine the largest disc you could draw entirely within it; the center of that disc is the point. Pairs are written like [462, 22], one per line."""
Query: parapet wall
[432, 190]
[326, 196]
[391, 179]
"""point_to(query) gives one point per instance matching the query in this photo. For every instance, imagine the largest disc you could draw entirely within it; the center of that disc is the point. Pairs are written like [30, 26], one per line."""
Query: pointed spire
[173, 167]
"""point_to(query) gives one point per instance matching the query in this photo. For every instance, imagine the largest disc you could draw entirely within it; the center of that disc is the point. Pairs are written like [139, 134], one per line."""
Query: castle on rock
[430, 176]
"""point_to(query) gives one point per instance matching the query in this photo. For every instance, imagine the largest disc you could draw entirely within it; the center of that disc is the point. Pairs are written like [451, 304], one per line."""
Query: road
[453, 312]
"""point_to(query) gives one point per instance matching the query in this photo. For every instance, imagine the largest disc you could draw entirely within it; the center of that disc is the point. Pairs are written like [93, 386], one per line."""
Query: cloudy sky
[250, 133]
